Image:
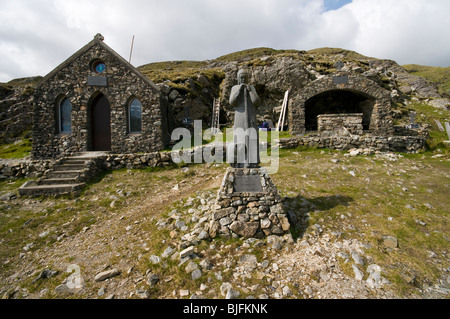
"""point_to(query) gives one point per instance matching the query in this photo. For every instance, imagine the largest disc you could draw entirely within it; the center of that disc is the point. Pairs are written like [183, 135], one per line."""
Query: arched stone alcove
[356, 94]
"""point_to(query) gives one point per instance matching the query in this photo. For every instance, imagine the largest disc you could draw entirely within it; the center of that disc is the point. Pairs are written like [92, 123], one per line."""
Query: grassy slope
[383, 198]
[438, 75]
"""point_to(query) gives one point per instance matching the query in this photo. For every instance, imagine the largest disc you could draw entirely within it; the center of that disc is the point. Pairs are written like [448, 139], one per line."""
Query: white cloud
[36, 36]
[410, 31]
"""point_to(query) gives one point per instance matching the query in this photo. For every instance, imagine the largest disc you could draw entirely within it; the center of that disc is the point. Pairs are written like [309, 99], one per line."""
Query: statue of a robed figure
[245, 181]
[244, 100]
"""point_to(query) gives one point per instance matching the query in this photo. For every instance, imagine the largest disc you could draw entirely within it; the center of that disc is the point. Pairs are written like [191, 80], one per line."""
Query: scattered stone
[287, 291]
[248, 259]
[101, 292]
[187, 252]
[421, 223]
[43, 234]
[180, 224]
[390, 242]
[152, 279]
[275, 242]
[45, 274]
[354, 152]
[107, 274]
[168, 252]
[184, 293]
[359, 275]
[203, 235]
[196, 274]
[143, 294]
[7, 196]
[191, 266]
[155, 259]
[206, 265]
[232, 294]
[358, 259]
[375, 280]
[224, 288]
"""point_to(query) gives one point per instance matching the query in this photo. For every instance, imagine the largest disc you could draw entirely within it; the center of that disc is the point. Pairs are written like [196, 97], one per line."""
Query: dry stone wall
[331, 124]
[403, 144]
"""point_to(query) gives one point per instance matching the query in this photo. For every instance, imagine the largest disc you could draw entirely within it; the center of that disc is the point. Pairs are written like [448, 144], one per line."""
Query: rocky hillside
[191, 86]
[16, 98]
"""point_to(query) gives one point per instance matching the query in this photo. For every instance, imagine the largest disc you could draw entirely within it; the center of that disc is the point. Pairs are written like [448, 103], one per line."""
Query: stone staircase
[68, 176]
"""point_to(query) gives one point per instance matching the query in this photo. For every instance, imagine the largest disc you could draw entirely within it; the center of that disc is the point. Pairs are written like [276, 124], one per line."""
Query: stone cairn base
[248, 204]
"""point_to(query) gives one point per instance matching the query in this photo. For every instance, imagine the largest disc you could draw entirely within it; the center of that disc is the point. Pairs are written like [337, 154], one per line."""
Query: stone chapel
[97, 101]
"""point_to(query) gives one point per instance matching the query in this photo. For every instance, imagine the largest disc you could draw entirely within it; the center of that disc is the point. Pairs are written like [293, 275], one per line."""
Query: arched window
[135, 116]
[65, 110]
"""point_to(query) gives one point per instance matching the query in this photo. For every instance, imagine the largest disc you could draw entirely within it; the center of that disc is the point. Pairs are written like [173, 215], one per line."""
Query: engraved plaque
[247, 184]
[340, 79]
[97, 81]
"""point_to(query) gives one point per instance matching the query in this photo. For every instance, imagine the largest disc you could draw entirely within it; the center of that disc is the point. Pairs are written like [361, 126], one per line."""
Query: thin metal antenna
[131, 52]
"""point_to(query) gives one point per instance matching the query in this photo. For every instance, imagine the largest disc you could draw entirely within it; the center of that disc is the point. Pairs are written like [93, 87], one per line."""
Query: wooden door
[100, 124]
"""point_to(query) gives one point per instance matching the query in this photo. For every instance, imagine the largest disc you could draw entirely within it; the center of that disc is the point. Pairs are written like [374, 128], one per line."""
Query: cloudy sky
[37, 35]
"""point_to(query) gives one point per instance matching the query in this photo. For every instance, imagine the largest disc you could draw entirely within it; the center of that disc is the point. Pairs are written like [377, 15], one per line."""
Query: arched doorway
[100, 124]
[338, 102]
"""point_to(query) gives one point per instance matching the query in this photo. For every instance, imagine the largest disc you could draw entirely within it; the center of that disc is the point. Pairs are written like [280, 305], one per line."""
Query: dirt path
[116, 240]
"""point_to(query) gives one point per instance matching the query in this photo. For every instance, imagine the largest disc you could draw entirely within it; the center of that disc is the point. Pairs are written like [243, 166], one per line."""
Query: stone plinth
[335, 123]
[248, 204]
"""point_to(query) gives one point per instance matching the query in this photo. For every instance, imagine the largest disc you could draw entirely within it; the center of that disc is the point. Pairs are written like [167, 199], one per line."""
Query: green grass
[19, 149]
[427, 114]
[252, 54]
[335, 51]
[334, 192]
[177, 72]
[366, 207]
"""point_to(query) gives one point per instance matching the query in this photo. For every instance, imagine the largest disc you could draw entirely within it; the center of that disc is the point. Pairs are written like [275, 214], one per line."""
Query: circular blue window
[100, 67]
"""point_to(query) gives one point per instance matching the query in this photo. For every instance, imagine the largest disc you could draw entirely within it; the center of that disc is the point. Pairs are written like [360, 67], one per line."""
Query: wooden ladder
[215, 126]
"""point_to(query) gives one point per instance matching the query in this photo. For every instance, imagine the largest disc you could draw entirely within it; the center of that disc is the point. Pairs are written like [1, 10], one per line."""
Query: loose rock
[107, 274]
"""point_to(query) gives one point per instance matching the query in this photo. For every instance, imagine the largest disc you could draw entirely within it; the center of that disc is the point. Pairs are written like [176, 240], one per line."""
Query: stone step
[37, 190]
[59, 181]
[64, 174]
[69, 167]
[74, 161]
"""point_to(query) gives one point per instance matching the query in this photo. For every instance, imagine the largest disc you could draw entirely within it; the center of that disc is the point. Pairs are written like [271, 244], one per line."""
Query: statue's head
[242, 76]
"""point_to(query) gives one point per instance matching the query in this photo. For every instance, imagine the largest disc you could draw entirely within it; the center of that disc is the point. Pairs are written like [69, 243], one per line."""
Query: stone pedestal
[248, 204]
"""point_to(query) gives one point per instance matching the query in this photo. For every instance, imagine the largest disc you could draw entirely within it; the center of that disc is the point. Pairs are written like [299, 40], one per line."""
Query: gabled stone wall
[123, 84]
